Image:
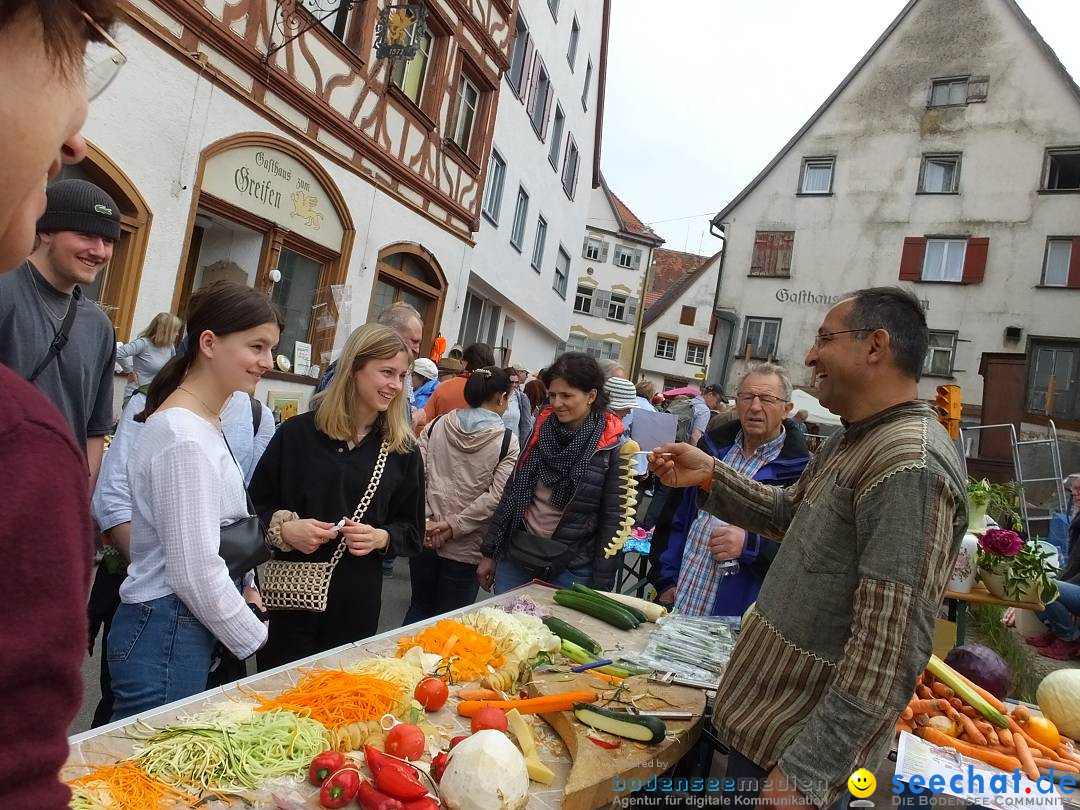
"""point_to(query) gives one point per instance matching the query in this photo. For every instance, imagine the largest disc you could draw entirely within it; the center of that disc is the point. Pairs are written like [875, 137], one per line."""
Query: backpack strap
[431, 424]
[61, 339]
[505, 444]
[256, 415]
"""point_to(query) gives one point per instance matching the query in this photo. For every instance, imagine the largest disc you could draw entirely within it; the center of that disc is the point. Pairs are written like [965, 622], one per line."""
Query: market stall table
[980, 596]
[590, 781]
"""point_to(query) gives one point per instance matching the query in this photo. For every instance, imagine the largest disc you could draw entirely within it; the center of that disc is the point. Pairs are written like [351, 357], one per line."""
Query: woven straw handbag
[287, 585]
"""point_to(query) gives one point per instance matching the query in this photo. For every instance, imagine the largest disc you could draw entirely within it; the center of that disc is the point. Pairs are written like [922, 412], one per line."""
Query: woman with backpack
[186, 487]
[469, 455]
[340, 487]
[562, 506]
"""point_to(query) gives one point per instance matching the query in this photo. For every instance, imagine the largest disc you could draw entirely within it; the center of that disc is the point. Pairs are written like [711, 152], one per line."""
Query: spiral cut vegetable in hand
[629, 497]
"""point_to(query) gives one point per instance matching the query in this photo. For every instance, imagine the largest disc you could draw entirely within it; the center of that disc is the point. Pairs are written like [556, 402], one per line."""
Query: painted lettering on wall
[261, 190]
[786, 296]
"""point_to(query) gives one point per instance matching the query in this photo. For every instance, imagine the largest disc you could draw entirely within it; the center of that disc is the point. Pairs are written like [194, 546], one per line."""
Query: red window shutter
[911, 260]
[1074, 263]
[975, 259]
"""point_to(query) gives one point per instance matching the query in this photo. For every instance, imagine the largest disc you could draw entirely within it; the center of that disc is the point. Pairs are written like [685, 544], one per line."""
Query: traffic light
[948, 406]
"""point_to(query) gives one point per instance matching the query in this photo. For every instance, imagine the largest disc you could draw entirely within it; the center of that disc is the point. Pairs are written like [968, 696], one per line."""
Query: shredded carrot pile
[128, 787]
[469, 653]
[336, 698]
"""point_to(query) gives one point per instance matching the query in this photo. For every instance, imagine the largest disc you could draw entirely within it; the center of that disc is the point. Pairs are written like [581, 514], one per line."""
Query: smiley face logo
[861, 783]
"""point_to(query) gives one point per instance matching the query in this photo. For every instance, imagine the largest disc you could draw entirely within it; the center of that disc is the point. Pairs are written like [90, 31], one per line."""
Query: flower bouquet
[1014, 568]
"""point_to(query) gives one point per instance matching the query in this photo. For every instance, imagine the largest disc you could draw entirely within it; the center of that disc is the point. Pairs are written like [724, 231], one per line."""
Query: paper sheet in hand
[651, 429]
[915, 756]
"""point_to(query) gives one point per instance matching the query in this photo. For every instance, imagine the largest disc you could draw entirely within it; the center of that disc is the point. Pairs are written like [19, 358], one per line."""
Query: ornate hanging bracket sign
[293, 17]
[399, 29]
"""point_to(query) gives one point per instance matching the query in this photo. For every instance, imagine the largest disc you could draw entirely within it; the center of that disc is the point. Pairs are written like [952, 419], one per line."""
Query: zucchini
[568, 632]
[633, 611]
[584, 604]
[580, 656]
[651, 610]
[648, 730]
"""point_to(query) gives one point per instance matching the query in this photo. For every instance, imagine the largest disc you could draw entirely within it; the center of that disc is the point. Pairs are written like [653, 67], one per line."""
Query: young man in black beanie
[42, 300]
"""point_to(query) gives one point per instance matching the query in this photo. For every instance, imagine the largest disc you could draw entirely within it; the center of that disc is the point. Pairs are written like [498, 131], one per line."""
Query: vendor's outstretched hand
[681, 465]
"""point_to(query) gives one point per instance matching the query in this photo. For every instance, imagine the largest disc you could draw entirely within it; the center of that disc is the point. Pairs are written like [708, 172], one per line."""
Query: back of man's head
[899, 313]
[399, 315]
[478, 355]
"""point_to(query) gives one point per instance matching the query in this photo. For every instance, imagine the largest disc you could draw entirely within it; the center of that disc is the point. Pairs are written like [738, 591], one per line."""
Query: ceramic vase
[963, 576]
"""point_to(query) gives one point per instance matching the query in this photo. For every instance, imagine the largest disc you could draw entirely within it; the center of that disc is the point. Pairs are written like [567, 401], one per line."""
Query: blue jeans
[1061, 615]
[508, 576]
[158, 652]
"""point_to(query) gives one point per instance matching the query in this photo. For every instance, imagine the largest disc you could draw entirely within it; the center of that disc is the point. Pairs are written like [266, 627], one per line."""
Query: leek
[959, 684]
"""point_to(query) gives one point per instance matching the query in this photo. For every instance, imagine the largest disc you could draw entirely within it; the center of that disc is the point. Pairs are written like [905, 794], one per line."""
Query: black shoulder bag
[61, 339]
[243, 542]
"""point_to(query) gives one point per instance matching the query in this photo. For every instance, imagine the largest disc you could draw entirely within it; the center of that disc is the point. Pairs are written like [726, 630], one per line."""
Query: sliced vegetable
[633, 611]
[568, 632]
[582, 603]
[399, 784]
[631, 726]
[652, 610]
[488, 717]
[323, 765]
[431, 693]
[537, 705]
[339, 788]
[965, 691]
[406, 741]
[538, 771]
[608, 744]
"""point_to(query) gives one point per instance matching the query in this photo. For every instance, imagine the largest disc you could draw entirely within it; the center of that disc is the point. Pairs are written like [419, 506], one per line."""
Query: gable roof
[1025, 22]
[628, 220]
[674, 292]
[668, 268]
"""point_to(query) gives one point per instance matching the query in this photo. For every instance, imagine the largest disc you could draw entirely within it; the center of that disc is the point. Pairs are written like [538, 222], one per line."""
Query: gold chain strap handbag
[287, 585]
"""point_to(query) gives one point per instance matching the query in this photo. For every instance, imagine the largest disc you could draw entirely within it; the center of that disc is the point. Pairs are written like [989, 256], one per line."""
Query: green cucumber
[584, 604]
[610, 603]
[580, 656]
[568, 632]
[648, 730]
[633, 611]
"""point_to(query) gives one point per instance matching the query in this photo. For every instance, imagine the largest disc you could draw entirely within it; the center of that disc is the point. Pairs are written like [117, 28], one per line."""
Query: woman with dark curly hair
[561, 507]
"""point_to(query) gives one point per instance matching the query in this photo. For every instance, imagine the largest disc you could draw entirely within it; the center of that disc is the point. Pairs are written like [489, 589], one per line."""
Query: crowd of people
[482, 477]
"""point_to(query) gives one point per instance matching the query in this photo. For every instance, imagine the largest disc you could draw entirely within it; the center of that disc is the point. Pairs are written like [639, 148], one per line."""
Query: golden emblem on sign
[304, 207]
[398, 24]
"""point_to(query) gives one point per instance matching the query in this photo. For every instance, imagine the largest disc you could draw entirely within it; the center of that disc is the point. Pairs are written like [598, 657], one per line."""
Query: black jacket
[593, 515]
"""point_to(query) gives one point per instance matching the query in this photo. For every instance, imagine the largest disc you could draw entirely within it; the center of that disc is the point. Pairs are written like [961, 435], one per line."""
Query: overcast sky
[700, 96]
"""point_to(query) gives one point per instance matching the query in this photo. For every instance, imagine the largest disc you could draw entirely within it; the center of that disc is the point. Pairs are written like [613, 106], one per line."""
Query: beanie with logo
[78, 205]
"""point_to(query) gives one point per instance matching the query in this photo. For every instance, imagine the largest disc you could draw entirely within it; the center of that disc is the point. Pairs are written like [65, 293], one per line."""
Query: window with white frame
[468, 98]
[666, 347]
[493, 192]
[570, 167]
[556, 137]
[629, 258]
[571, 51]
[817, 175]
[521, 213]
[695, 353]
[479, 320]
[761, 336]
[583, 300]
[408, 76]
[1056, 263]
[948, 92]
[562, 272]
[538, 243]
[940, 354]
[516, 74]
[1054, 365]
[585, 86]
[540, 97]
[610, 350]
[595, 250]
[939, 174]
[616, 310]
[944, 260]
[574, 343]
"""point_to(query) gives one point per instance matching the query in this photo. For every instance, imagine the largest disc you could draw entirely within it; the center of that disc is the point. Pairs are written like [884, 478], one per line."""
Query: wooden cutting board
[591, 781]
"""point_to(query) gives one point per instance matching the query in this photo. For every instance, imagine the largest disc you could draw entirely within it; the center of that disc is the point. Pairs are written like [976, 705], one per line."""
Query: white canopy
[803, 401]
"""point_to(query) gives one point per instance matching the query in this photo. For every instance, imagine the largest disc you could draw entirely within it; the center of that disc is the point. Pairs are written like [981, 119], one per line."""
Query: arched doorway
[407, 272]
[117, 286]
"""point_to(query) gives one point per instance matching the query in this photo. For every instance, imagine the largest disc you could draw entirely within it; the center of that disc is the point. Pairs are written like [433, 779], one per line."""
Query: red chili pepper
[458, 739]
[400, 785]
[340, 788]
[438, 765]
[371, 799]
[426, 803]
[323, 765]
[603, 743]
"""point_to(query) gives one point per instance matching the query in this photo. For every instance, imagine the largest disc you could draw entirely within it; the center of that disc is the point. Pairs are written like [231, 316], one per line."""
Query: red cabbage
[983, 666]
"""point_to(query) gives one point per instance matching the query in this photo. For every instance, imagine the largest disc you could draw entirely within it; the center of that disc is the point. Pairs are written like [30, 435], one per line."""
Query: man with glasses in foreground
[828, 656]
[54, 56]
[710, 567]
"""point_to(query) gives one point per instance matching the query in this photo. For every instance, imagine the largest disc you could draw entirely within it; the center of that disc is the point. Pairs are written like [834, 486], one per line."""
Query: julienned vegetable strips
[222, 754]
[122, 786]
[692, 646]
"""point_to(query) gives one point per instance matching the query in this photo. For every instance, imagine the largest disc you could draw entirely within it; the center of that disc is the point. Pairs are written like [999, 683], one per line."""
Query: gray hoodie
[465, 478]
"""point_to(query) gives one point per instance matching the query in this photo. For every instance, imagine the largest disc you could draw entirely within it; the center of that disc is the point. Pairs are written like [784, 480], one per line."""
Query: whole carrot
[998, 760]
[967, 724]
[927, 706]
[1033, 744]
[941, 690]
[1023, 753]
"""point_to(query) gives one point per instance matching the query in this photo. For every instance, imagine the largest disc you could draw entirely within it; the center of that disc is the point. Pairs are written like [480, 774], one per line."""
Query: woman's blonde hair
[334, 408]
[164, 329]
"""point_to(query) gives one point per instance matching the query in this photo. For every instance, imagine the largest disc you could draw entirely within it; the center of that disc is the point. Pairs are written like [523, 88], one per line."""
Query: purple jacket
[741, 588]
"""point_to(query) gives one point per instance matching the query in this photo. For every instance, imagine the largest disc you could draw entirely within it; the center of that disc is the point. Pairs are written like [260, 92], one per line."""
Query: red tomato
[432, 694]
[489, 717]
[406, 741]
